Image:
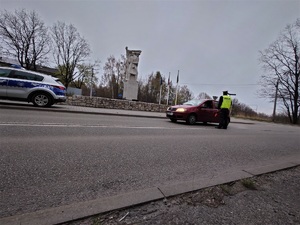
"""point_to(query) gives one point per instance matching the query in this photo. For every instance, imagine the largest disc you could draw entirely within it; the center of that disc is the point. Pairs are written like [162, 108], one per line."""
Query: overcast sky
[214, 44]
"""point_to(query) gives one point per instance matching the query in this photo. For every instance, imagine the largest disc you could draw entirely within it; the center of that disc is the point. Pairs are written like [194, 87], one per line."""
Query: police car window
[4, 72]
[18, 75]
[38, 78]
[26, 76]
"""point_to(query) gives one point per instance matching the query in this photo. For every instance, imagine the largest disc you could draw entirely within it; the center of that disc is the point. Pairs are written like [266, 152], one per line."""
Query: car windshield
[194, 102]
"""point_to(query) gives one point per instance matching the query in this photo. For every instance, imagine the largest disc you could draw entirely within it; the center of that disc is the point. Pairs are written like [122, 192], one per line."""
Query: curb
[133, 114]
[81, 210]
[91, 113]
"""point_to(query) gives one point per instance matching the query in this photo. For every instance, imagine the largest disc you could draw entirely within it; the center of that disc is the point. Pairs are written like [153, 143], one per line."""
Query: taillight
[59, 87]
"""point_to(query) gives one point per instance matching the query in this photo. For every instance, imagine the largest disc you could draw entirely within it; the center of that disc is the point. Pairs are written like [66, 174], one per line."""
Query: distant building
[4, 61]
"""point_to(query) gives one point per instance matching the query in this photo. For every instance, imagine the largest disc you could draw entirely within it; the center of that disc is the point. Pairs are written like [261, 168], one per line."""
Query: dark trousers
[224, 114]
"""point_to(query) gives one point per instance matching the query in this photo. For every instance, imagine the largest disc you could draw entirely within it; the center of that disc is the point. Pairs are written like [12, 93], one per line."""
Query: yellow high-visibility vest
[226, 103]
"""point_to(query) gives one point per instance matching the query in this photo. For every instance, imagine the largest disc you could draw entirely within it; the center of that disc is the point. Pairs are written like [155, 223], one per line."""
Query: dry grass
[257, 118]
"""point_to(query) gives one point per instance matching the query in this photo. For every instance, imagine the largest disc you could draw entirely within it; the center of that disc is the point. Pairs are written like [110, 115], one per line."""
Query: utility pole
[112, 85]
[91, 89]
[168, 89]
[176, 98]
[160, 87]
[275, 100]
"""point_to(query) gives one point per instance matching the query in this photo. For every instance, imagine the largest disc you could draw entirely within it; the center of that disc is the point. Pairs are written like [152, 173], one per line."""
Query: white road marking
[22, 124]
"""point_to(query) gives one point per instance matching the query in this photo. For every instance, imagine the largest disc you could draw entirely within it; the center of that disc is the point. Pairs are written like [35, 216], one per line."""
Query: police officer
[224, 106]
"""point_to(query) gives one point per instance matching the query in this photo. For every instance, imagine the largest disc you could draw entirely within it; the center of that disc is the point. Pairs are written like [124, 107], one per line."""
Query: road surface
[51, 159]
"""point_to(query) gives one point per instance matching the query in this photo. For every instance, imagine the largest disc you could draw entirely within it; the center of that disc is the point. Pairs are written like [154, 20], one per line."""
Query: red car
[196, 110]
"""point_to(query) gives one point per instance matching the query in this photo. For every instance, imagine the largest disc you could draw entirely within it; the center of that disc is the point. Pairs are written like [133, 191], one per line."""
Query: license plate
[170, 113]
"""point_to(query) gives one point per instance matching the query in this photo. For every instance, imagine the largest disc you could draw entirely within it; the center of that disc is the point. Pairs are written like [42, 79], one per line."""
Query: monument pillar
[130, 90]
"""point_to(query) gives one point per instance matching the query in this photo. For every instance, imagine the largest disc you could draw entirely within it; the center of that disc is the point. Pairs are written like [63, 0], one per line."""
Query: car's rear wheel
[173, 120]
[192, 119]
[42, 99]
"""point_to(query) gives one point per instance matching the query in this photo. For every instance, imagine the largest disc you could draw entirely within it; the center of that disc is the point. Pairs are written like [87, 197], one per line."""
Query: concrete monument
[130, 90]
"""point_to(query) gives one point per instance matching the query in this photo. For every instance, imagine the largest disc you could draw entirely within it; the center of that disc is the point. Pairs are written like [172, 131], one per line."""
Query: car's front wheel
[42, 99]
[173, 120]
[192, 119]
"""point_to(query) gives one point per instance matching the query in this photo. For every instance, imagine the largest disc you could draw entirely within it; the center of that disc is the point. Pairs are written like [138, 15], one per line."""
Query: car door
[207, 111]
[215, 113]
[18, 84]
[4, 73]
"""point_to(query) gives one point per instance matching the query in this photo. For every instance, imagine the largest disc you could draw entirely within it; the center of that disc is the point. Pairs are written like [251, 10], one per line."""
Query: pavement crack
[165, 197]
[248, 172]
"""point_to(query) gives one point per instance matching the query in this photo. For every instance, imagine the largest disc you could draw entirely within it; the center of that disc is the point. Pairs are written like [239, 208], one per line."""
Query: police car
[40, 89]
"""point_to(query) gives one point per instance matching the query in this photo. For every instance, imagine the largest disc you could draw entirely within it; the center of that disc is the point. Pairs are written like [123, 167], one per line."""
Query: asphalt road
[51, 159]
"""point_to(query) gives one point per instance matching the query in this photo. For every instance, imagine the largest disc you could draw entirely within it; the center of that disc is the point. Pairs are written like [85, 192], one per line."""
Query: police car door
[3, 81]
[18, 85]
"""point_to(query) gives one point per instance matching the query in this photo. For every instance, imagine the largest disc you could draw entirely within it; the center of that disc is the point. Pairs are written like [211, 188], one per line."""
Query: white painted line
[93, 126]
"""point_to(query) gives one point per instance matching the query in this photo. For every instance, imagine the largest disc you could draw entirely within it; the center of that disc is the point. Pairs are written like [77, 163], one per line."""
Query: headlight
[180, 110]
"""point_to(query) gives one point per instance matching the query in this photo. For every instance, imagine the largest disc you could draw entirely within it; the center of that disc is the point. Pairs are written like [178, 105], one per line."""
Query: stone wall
[98, 102]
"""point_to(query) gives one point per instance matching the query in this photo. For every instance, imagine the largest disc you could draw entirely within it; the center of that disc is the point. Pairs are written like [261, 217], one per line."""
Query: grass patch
[226, 189]
[249, 183]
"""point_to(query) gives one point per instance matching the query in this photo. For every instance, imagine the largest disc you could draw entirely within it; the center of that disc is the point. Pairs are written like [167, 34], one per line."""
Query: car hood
[182, 106]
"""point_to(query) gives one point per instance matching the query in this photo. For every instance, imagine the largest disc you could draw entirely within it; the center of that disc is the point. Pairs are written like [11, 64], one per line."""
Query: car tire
[192, 119]
[42, 99]
[173, 120]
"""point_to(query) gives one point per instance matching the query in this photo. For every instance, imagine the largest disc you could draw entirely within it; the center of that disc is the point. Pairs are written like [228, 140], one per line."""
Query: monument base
[130, 90]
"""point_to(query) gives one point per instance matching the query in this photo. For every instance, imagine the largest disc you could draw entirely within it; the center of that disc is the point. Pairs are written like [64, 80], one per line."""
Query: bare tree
[149, 88]
[241, 109]
[184, 94]
[70, 49]
[203, 95]
[25, 37]
[282, 66]
[114, 74]
[86, 74]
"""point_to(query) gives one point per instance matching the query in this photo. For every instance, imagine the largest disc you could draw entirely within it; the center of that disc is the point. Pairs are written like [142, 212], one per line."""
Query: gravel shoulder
[272, 198]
